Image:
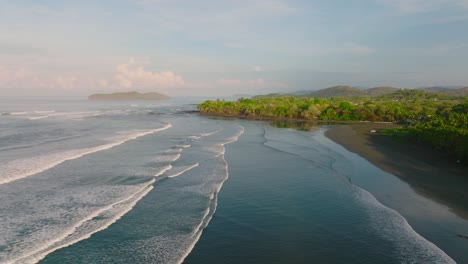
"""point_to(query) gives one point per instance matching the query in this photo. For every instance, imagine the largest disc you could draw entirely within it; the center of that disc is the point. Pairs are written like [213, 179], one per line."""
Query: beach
[429, 172]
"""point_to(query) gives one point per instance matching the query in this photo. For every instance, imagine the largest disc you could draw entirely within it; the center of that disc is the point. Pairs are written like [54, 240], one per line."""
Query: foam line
[430, 251]
[47, 248]
[204, 134]
[19, 169]
[200, 225]
[195, 241]
[176, 157]
[184, 170]
[163, 170]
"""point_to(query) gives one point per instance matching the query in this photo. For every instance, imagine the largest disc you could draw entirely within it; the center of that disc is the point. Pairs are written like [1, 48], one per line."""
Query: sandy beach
[427, 171]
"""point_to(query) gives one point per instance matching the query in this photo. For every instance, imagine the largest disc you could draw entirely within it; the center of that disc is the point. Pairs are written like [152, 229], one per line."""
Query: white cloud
[14, 80]
[128, 76]
[258, 69]
[132, 75]
[463, 3]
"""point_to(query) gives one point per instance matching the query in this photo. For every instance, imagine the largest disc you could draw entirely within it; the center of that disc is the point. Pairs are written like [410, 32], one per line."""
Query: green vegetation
[440, 120]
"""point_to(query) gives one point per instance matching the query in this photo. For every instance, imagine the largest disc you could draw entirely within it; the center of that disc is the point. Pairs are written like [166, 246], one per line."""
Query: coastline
[429, 172]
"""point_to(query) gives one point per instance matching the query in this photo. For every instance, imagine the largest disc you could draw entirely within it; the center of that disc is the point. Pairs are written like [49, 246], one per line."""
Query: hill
[337, 91]
[457, 92]
[379, 91]
[128, 96]
[350, 91]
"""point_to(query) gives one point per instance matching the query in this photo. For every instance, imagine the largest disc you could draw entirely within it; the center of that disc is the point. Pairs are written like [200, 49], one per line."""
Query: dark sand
[430, 173]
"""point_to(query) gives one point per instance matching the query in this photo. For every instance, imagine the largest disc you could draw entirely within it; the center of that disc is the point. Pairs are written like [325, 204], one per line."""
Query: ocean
[152, 182]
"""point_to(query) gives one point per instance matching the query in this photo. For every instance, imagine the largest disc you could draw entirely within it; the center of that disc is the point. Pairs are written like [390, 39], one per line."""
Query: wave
[204, 134]
[18, 169]
[183, 146]
[184, 169]
[230, 140]
[198, 231]
[41, 143]
[66, 238]
[176, 157]
[387, 222]
[63, 114]
[391, 225]
[18, 113]
[163, 170]
[44, 111]
[173, 151]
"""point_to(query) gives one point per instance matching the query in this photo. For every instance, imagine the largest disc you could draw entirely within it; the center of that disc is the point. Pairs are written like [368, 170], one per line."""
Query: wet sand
[429, 172]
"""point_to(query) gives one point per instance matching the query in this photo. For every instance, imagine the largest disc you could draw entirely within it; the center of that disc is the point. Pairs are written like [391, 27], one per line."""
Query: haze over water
[138, 182]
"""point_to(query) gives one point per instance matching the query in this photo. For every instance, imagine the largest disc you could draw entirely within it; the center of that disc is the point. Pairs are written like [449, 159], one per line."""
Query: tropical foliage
[438, 120]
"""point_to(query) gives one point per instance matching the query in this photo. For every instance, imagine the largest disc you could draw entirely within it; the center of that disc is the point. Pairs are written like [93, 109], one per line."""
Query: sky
[222, 48]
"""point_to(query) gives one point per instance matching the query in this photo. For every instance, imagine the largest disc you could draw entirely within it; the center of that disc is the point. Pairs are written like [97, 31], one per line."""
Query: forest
[437, 119]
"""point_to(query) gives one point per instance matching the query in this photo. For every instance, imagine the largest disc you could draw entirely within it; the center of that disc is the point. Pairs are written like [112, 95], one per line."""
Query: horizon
[230, 47]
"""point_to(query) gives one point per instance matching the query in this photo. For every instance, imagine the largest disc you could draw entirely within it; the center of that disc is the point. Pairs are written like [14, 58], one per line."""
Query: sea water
[142, 182]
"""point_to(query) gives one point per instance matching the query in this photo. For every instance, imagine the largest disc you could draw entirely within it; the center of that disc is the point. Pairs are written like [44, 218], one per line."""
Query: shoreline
[428, 172]
[290, 120]
[431, 173]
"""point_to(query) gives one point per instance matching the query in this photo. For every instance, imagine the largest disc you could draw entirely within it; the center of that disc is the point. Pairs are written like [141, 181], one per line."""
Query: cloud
[258, 69]
[463, 3]
[17, 79]
[127, 76]
[132, 75]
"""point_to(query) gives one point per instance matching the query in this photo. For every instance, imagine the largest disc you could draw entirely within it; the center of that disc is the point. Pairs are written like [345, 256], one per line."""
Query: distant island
[128, 96]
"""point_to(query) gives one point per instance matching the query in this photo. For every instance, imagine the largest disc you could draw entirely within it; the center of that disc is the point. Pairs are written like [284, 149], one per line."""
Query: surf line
[184, 170]
[74, 154]
[42, 252]
[198, 231]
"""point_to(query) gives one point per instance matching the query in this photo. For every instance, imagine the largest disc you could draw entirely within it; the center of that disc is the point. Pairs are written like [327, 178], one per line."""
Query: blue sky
[228, 47]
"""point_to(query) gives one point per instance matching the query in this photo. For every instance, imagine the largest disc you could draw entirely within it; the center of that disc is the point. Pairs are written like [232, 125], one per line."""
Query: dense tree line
[398, 107]
[438, 120]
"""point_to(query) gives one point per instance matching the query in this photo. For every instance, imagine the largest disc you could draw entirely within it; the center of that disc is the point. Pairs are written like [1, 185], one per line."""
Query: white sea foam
[44, 111]
[209, 133]
[201, 227]
[184, 146]
[163, 170]
[183, 169]
[167, 158]
[37, 115]
[71, 235]
[21, 168]
[19, 113]
[173, 151]
[176, 157]
[220, 146]
[198, 228]
[413, 248]
[204, 134]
